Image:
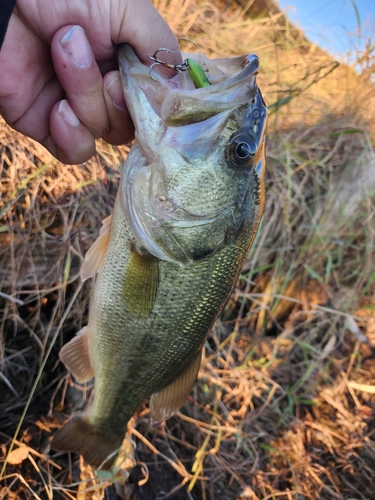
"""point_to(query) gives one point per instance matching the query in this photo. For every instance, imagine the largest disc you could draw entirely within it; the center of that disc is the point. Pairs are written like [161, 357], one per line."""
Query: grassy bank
[285, 402]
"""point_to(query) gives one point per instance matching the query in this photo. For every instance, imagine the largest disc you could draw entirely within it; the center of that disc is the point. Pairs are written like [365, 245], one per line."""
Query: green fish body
[186, 214]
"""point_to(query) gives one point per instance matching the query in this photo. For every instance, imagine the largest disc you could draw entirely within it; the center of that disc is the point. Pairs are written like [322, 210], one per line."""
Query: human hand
[58, 81]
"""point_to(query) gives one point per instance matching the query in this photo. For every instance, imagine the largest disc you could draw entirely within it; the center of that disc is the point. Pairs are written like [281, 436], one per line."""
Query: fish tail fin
[79, 436]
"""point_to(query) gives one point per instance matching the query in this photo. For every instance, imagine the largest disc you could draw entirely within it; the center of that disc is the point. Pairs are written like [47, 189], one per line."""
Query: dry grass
[284, 406]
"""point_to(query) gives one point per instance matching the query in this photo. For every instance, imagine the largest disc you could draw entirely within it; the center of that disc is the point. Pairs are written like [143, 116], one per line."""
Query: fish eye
[242, 149]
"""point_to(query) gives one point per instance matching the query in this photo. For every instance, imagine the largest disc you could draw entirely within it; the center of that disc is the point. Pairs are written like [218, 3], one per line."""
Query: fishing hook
[176, 67]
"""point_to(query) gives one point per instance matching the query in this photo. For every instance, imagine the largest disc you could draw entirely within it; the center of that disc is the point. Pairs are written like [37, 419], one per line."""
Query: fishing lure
[196, 71]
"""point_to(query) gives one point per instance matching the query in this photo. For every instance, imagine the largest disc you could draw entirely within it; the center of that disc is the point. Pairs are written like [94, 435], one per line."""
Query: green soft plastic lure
[197, 73]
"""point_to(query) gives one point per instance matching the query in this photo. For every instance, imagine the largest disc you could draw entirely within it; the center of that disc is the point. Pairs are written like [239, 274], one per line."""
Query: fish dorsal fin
[95, 255]
[167, 401]
[141, 281]
[75, 356]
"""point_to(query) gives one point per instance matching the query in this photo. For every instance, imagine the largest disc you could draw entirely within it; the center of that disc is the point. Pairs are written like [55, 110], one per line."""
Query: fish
[187, 210]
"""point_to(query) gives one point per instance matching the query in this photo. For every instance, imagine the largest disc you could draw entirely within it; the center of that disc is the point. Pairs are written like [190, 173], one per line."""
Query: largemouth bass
[187, 211]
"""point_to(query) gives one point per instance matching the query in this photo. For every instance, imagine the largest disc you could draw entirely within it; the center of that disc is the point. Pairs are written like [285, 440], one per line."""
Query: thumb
[141, 25]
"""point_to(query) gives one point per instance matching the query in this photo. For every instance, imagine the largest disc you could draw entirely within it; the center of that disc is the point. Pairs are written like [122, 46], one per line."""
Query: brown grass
[284, 406]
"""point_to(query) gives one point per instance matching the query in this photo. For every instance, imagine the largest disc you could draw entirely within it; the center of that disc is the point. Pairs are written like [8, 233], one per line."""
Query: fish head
[194, 179]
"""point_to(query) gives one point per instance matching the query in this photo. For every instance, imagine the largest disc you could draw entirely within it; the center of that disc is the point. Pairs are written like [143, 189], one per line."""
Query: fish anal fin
[79, 436]
[94, 257]
[141, 281]
[167, 401]
[75, 356]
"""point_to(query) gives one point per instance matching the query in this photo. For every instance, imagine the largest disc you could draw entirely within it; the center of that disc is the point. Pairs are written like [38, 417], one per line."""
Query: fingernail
[116, 95]
[76, 45]
[67, 114]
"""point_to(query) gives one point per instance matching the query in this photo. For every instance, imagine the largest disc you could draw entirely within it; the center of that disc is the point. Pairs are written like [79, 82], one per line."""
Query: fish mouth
[176, 101]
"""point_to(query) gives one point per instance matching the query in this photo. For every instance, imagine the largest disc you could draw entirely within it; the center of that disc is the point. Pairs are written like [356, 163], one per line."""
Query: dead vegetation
[285, 402]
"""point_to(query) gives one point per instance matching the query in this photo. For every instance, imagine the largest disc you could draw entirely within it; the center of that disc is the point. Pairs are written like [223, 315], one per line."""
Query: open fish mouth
[177, 101]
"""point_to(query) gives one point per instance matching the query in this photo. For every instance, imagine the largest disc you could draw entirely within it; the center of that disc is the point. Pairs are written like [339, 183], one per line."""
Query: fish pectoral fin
[167, 401]
[141, 280]
[75, 356]
[94, 257]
